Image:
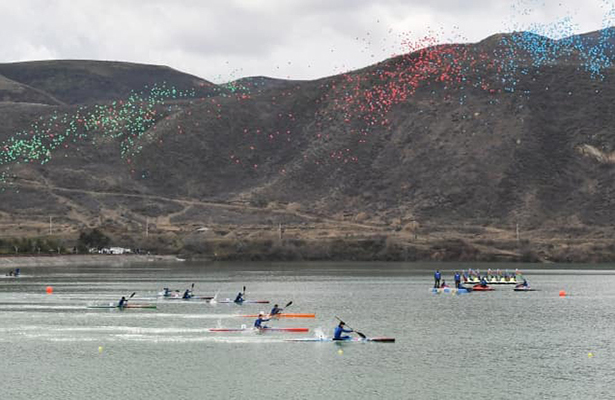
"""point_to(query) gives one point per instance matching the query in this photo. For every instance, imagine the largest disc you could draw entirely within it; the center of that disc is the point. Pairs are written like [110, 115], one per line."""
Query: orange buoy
[562, 293]
[49, 290]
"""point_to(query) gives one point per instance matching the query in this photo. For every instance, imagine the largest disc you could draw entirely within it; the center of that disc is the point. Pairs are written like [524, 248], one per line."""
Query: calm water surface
[498, 345]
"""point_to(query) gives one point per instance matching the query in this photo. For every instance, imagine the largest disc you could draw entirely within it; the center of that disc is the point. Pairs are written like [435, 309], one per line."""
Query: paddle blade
[132, 295]
[288, 305]
[360, 334]
[192, 287]
[244, 289]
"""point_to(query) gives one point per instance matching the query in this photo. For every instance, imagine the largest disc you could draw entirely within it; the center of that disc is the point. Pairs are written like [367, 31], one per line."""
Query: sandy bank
[91, 260]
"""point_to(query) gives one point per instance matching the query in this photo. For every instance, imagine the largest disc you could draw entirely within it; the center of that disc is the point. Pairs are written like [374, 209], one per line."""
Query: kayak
[524, 289]
[189, 298]
[479, 288]
[282, 315]
[450, 290]
[295, 330]
[354, 339]
[245, 301]
[150, 306]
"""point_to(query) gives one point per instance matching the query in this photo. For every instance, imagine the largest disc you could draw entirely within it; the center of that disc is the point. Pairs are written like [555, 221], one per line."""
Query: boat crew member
[239, 298]
[436, 277]
[187, 294]
[258, 324]
[166, 292]
[339, 330]
[457, 279]
[122, 302]
[275, 310]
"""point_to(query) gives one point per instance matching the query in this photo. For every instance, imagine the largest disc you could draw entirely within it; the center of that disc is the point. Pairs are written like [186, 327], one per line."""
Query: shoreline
[84, 260]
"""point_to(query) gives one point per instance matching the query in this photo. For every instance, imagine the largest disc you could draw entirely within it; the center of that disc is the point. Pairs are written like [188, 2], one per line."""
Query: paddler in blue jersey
[339, 330]
[239, 298]
[122, 302]
[436, 277]
[187, 294]
[275, 310]
[258, 324]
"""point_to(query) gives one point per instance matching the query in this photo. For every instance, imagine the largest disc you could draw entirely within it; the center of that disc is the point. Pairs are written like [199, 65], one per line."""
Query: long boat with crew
[497, 277]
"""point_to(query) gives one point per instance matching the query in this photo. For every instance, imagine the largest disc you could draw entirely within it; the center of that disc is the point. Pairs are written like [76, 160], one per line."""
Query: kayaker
[444, 285]
[483, 282]
[187, 294]
[122, 302]
[457, 279]
[258, 324]
[166, 292]
[275, 310]
[523, 285]
[239, 298]
[17, 272]
[436, 277]
[339, 330]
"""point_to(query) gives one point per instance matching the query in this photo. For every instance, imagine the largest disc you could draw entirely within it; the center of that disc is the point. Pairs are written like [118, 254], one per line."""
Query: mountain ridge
[443, 153]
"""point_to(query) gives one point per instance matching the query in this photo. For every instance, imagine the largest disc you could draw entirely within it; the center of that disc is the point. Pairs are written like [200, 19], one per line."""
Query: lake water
[496, 345]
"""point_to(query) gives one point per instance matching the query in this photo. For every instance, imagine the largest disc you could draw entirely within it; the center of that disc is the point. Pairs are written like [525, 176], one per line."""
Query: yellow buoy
[100, 349]
[340, 352]
[590, 355]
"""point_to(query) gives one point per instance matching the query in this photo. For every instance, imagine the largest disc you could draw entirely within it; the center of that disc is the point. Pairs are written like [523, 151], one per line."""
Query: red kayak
[479, 288]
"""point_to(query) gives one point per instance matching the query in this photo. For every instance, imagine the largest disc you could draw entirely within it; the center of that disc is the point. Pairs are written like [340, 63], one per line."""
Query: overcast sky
[221, 40]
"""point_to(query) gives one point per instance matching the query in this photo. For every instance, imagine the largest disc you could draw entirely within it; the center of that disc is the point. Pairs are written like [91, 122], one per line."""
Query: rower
[275, 310]
[258, 324]
[122, 302]
[436, 277]
[239, 298]
[523, 285]
[337, 335]
[187, 294]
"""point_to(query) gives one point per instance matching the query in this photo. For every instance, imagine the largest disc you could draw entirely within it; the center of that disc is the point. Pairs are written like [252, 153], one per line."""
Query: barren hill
[445, 153]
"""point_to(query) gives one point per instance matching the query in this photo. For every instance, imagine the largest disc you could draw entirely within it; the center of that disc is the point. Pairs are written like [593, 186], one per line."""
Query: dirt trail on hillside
[186, 203]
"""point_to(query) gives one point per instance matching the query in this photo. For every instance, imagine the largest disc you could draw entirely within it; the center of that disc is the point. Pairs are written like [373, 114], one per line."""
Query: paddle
[357, 332]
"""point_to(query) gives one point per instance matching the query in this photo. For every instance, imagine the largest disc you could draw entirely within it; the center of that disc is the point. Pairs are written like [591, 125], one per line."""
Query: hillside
[444, 153]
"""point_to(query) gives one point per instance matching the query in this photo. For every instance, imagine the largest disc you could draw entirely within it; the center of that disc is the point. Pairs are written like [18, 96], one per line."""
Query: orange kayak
[282, 315]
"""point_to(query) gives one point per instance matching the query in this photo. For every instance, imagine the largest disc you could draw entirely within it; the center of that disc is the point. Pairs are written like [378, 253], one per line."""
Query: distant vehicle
[115, 250]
